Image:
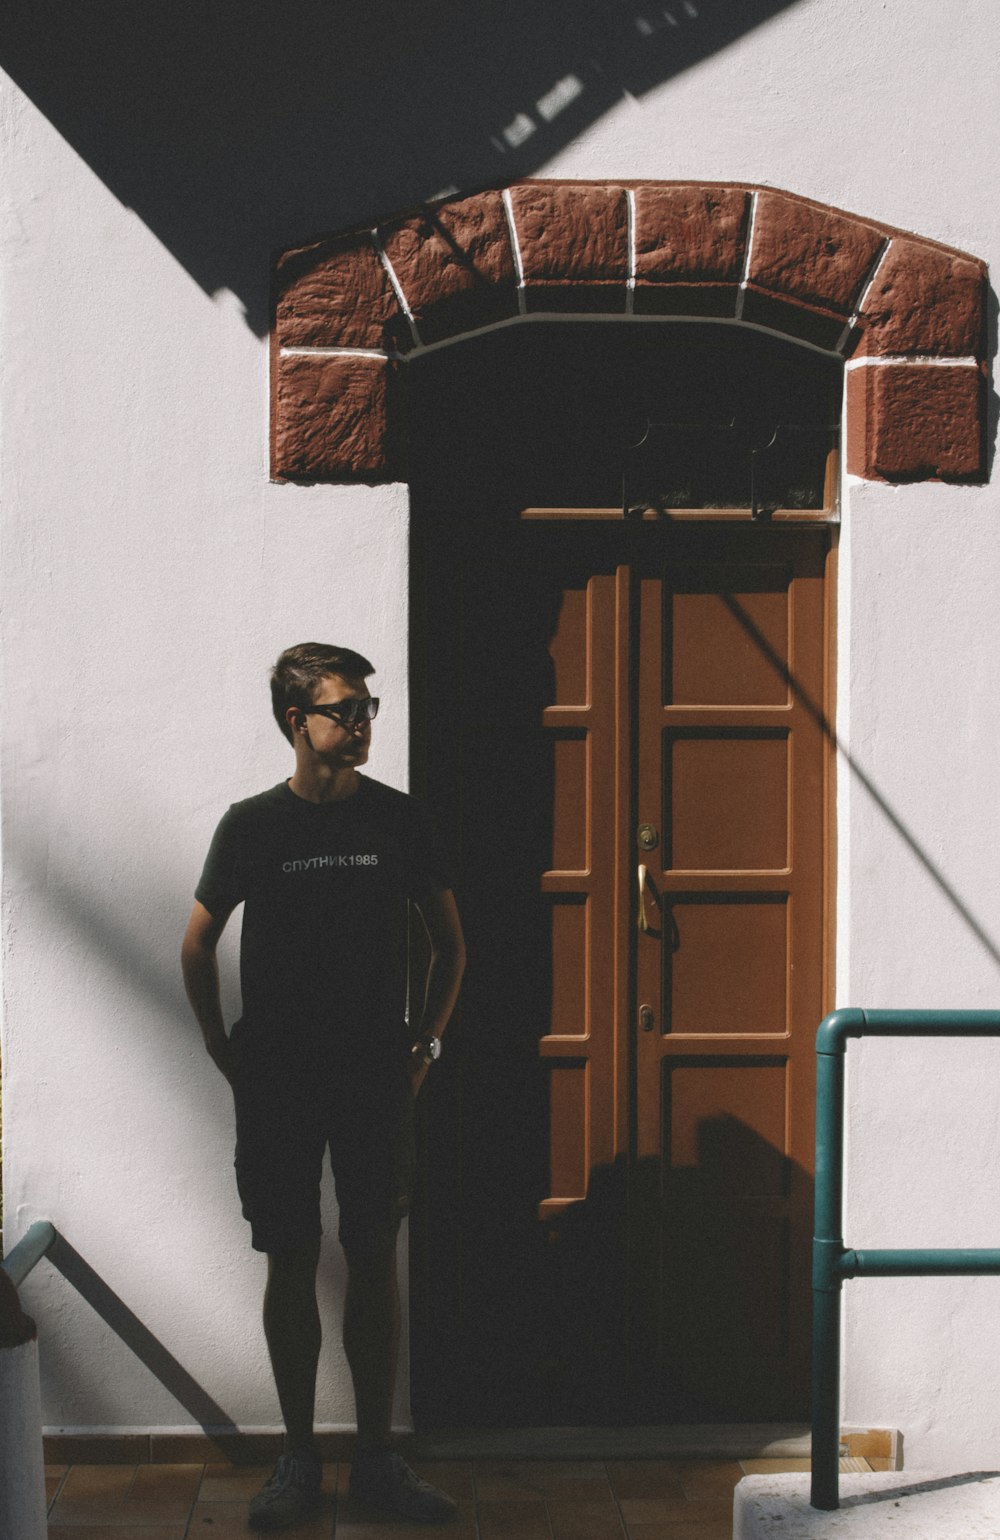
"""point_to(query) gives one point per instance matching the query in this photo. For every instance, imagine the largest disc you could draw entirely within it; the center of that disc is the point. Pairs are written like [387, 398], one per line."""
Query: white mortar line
[922, 360]
[745, 278]
[630, 281]
[397, 289]
[515, 246]
[873, 273]
[307, 352]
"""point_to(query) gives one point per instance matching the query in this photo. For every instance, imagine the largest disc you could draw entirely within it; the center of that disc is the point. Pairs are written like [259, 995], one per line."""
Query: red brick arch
[905, 313]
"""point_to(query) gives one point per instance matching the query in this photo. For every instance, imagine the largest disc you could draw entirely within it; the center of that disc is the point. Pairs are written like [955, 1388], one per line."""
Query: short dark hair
[300, 671]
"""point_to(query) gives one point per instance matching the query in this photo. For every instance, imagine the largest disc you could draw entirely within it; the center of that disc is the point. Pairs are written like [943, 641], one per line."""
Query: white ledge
[878, 1505]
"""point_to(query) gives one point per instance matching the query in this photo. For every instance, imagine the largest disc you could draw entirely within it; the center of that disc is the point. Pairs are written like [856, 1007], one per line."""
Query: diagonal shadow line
[822, 721]
[234, 130]
[89, 914]
[915, 1488]
[214, 1421]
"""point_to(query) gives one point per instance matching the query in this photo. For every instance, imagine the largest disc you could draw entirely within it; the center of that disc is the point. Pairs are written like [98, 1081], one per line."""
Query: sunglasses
[347, 713]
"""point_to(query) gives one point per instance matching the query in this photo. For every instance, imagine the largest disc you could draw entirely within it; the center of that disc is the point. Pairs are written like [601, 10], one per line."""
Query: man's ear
[296, 718]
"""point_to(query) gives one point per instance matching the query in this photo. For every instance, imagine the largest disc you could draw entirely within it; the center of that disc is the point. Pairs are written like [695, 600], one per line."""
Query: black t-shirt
[325, 888]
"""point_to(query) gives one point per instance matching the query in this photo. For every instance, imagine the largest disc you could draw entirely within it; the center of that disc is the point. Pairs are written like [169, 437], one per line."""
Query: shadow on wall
[234, 130]
[115, 1313]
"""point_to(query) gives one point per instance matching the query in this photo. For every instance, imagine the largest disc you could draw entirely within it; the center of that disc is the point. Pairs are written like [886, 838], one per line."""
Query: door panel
[720, 646]
[584, 1047]
[751, 932]
[725, 798]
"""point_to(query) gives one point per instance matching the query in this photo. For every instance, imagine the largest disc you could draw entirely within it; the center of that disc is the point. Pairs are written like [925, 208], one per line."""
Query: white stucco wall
[923, 913]
[152, 574]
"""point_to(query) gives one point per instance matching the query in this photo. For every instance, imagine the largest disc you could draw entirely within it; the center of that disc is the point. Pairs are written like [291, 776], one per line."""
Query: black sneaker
[291, 1494]
[381, 1478]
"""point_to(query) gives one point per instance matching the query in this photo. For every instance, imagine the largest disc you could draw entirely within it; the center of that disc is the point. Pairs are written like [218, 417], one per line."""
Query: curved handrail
[835, 1030]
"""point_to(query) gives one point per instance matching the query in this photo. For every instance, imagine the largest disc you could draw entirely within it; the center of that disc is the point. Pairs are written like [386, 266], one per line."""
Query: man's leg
[373, 1166]
[371, 1341]
[292, 1329]
[280, 1143]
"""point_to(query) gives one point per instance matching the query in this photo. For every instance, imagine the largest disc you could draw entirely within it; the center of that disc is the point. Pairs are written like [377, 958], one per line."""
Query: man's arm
[444, 973]
[201, 980]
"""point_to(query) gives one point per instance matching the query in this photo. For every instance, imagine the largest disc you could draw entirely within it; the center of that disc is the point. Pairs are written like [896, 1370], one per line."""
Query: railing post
[828, 1249]
[826, 1399]
[22, 1471]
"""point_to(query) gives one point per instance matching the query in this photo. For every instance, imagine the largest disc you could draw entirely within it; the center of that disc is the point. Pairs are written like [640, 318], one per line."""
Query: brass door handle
[644, 924]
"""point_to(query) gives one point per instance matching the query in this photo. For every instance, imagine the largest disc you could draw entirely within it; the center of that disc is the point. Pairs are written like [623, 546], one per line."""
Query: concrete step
[876, 1505]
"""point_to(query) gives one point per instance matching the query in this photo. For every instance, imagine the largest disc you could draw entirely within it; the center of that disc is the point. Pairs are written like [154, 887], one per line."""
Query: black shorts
[288, 1115]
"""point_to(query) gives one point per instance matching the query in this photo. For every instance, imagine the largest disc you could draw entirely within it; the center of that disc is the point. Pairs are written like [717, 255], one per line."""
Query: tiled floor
[498, 1500]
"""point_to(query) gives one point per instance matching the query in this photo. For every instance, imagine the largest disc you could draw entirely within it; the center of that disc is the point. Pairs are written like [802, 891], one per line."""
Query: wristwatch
[428, 1047]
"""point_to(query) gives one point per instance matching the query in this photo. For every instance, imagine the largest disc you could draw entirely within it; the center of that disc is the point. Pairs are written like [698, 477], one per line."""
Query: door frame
[425, 1321]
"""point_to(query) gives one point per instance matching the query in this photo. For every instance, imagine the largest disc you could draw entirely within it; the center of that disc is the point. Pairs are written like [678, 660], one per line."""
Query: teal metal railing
[30, 1250]
[833, 1262]
[22, 1458]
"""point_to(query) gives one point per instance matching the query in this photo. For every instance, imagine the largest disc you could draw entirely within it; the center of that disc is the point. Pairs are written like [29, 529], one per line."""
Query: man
[325, 864]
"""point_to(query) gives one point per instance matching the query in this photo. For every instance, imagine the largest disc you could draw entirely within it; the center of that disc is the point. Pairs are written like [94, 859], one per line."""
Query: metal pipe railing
[22, 1470]
[833, 1262]
[29, 1251]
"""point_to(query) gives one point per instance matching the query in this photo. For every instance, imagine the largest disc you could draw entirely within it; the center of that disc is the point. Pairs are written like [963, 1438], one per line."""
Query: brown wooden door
[616, 1224]
[731, 762]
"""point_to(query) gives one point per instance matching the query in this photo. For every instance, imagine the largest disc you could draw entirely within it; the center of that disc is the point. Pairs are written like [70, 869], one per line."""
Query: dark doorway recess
[620, 715]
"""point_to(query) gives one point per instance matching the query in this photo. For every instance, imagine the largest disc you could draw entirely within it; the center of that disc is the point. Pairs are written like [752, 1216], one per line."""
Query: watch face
[434, 1048]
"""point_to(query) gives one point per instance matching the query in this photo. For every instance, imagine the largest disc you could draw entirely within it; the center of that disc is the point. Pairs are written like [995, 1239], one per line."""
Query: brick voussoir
[817, 256]
[690, 234]
[454, 264]
[332, 419]
[925, 299]
[336, 294]
[572, 233]
[915, 422]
